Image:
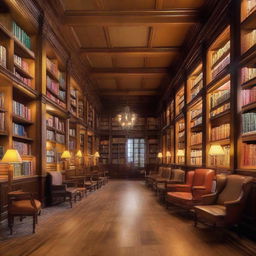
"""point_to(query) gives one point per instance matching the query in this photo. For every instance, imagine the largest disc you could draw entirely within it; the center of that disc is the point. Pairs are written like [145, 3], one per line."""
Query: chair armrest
[59, 187]
[208, 199]
[198, 188]
[178, 187]
[70, 182]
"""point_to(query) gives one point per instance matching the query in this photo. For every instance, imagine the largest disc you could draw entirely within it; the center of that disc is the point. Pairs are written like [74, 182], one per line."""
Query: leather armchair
[165, 176]
[225, 206]
[187, 195]
[153, 175]
[177, 176]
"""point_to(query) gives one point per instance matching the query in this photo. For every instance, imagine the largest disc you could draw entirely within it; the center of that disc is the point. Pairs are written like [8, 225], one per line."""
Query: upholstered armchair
[59, 189]
[153, 175]
[22, 204]
[225, 206]
[187, 195]
[177, 177]
[165, 176]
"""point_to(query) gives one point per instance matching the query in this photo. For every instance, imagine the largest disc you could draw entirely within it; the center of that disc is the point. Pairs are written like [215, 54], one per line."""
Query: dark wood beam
[129, 70]
[123, 18]
[129, 92]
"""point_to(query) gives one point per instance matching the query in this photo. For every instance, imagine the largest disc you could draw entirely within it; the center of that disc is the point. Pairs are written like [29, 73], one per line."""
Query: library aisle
[122, 219]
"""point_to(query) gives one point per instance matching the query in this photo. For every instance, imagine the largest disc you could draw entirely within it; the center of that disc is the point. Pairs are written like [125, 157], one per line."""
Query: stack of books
[249, 153]
[23, 148]
[2, 56]
[21, 110]
[21, 63]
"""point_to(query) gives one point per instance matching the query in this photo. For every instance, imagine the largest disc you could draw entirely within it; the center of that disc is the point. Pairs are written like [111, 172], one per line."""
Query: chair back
[56, 178]
[160, 170]
[190, 177]
[204, 177]
[178, 175]
[168, 172]
[235, 187]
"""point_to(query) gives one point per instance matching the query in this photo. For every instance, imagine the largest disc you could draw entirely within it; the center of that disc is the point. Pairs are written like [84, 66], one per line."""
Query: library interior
[128, 127]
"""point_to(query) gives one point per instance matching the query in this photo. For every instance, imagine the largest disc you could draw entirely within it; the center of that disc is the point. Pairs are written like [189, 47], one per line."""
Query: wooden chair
[22, 204]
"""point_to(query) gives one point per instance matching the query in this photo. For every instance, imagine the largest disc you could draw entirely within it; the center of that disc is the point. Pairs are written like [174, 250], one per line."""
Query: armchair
[58, 188]
[225, 207]
[153, 175]
[165, 176]
[187, 195]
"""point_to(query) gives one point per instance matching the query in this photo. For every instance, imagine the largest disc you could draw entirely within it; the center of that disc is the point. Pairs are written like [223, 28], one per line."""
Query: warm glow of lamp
[216, 150]
[180, 152]
[79, 153]
[160, 155]
[96, 155]
[168, 154]
[66, 155]
[11, 156]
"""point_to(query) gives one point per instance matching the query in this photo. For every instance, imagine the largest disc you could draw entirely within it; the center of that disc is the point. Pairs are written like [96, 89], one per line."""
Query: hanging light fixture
[127, 118]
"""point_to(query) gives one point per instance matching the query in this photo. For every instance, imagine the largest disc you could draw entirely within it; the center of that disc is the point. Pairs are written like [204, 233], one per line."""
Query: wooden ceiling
[130, 46]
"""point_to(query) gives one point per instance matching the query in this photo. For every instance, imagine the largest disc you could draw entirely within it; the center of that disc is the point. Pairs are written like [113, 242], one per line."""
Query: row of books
[73, 93]
[52, 66]
[25, 80]
[2, 121]
[21, 35]
[19, 129]
[21, 110]
[1, 100]
[55, 99]
[72, 145]
[249, 153]
[250, 39]
[220, 110]
[50, 156]
[248, 96]
[54, 87]
[104, 142]
[21, 63]
[50, 135]
[247, 74]
[221, 160]
[220, 52]
[80, 109]
[60, 138]
[181, 126]
[23, 148]
[3, 56]
[55, 122]
[220, 66]
[23, 169]
[198, 79]
[196, 138]
[196, 157]
[249, 122]
[197, 121]
[220, 95]
[251, 4]
[72, 132]
[196, 112]
[195, 90]
[220, 132]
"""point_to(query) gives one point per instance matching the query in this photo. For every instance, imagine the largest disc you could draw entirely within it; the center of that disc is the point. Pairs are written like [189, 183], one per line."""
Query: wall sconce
[180, 153]
[168, 156]
[65, 156]
[160, 156]
[216, 150]
[79, 154]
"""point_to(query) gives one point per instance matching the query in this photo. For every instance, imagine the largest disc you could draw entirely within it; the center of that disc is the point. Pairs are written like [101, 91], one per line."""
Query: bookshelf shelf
[21, 120]
[221, 142]
[221, 115]
[249, 137]
[24, 138]
[23, 50]
[248, 107]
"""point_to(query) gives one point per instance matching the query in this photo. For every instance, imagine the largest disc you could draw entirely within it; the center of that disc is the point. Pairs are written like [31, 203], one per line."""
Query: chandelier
[127, 118]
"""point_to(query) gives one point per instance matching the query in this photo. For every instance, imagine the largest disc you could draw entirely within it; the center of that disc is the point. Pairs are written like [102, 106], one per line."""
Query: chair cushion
[215, 210]
[161, 186]
[24, 207]
[178, 175]
[80, 189]
[71, 190]
[181, 195]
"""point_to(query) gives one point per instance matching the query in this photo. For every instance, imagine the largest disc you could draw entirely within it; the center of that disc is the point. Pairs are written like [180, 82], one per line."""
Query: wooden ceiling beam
[125, 72]
[129, 92]
[124, 18]
[131, 51]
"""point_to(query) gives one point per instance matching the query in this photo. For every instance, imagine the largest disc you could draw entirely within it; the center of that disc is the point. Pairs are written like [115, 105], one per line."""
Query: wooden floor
[121, 219]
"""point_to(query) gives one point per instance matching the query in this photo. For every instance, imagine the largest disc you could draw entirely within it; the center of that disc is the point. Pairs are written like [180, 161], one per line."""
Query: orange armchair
[199, 183]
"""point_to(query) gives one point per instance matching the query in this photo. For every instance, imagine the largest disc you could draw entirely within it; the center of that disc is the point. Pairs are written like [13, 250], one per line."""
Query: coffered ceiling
[130, 46]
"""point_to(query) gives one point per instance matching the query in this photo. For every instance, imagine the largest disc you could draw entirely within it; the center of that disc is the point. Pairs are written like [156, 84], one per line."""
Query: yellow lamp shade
[66, 155]
[180, 152]
[79, 153]
[168, 154]
[216, 150]
[96, 154]
[12, 156]
[160, 155]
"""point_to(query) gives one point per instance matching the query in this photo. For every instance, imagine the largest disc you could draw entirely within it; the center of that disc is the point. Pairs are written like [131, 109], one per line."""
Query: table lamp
[78, 156]
[180, 153]
[11, 156]
[216, 150]
[65, 155]
[160, 156]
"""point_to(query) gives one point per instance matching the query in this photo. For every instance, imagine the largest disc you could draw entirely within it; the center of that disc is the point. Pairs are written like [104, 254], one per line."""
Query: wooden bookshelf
[180, 100]
[104, 150]
[180, 140]
[195, 83]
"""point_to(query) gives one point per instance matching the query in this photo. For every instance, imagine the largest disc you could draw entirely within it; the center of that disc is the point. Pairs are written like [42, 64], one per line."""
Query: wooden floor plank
[121, 219]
